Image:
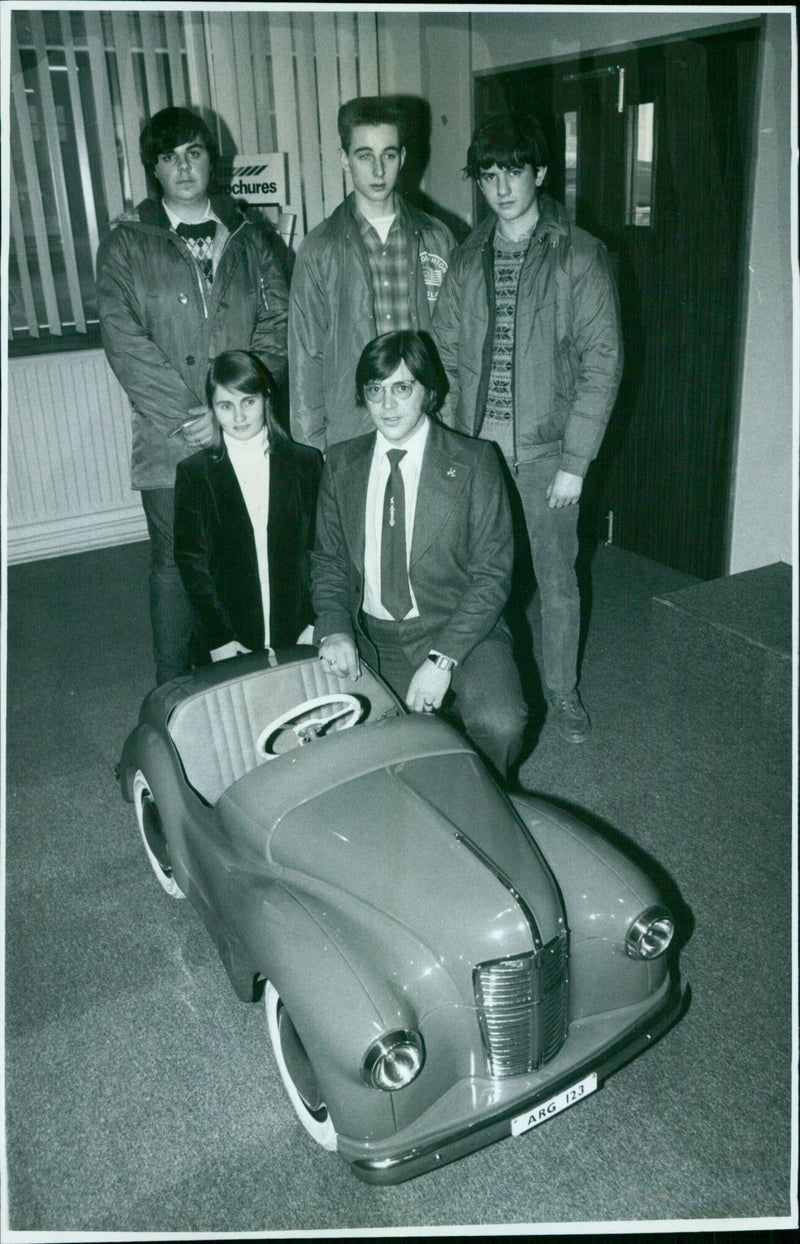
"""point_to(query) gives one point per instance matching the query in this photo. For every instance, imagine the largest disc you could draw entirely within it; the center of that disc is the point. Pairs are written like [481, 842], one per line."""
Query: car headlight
[393, 1060]
[650, 934]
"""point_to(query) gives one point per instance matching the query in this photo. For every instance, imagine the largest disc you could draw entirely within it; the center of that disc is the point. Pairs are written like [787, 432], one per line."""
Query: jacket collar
[356, 460]
[553, 224]
[151, 212]
[346, 213]
[443, 477]
[218, 453]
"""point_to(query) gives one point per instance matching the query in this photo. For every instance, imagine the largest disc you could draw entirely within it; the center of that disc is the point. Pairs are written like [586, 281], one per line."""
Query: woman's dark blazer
[215, 548]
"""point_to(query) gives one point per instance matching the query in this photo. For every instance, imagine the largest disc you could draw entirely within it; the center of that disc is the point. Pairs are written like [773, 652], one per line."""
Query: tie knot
[394, 456]
[206, 229]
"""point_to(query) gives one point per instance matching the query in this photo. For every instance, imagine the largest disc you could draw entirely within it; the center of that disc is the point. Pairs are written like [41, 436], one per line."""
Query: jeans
[485, 690]
[553, 535]
[170, 611]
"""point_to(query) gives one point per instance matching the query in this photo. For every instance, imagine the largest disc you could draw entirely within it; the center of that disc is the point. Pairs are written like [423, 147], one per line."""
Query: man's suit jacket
[461, 545]
[215, 548]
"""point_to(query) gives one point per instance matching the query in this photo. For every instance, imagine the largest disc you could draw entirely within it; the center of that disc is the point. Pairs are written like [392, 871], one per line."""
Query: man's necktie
[395, 592]
[200, 240]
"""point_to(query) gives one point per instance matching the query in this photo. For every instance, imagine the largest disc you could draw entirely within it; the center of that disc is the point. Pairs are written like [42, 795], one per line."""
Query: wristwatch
[442, 662]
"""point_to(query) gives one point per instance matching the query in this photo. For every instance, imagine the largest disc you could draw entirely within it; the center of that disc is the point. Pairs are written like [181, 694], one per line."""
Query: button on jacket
[161, 324]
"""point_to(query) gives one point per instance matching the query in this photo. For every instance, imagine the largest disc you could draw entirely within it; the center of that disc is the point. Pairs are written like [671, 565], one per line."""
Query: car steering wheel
[305, 731]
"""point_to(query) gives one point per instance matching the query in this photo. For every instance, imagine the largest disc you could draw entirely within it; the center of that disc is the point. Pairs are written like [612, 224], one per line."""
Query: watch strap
[441, 661]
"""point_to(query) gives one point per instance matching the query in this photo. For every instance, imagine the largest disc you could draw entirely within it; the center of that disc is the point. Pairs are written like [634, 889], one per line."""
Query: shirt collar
[364, 224]
[414, 447]
[208, 214]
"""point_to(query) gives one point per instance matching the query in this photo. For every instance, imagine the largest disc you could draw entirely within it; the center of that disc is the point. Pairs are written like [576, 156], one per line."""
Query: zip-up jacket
[567, 359]
[332, 316]
[161, 325]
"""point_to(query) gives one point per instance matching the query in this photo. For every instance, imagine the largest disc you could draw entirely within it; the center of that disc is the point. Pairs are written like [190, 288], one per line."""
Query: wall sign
[254, 178]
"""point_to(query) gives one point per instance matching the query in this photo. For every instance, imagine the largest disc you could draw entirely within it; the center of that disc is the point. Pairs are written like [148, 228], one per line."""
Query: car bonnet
[401, 817]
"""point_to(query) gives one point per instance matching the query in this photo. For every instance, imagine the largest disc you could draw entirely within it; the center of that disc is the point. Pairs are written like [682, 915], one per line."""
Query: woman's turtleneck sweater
[250, 461]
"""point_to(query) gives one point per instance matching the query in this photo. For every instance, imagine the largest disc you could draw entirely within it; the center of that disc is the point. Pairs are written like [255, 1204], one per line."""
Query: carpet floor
[141, 1095]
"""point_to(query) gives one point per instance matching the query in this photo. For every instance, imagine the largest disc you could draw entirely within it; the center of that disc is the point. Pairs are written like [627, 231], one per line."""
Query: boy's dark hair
[168, 129]
[510, 140]
[382, 356]
[245, 372]
[368, 110]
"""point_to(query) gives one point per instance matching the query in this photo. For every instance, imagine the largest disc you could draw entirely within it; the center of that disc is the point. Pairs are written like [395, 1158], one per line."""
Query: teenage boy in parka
[374, 266]
[527, 327]
[181, 279]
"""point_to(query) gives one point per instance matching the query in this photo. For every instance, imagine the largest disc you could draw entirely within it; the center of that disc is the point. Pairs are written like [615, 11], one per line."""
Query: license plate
[547, 1109]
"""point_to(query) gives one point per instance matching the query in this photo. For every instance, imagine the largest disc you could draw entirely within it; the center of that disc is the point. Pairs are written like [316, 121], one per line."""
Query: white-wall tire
[314, 1117]
[145, 812]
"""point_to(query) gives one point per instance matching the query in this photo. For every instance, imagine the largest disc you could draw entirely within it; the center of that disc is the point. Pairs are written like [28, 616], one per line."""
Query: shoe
[570, 717]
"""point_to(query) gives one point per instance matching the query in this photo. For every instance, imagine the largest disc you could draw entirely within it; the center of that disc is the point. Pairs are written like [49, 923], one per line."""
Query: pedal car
[442, 966]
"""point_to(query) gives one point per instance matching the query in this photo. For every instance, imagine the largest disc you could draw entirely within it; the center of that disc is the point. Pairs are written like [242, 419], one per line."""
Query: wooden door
[651, 153]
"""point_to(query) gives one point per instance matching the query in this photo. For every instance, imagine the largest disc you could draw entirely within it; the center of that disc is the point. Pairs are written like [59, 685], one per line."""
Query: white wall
[456, 45]
[765, 464]
[399, 53]
[447, 85]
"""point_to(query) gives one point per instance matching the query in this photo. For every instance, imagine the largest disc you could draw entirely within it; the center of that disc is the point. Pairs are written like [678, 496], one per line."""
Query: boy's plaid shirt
[388, 264]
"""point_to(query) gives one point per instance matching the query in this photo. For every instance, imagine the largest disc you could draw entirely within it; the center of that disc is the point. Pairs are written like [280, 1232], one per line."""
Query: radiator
[522, 1008]
[68, 453]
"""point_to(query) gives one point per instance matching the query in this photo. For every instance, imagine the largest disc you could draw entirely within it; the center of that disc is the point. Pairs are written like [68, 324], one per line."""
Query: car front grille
[522, 1008]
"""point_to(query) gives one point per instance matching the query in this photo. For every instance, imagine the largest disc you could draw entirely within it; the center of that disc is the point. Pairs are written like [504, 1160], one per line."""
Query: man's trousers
[485, 690]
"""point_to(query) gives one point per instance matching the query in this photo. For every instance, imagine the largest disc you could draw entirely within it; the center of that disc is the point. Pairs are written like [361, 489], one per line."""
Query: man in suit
[412, 563]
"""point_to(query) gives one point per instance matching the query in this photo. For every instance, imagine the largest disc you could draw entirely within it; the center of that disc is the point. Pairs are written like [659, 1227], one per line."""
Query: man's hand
[199, 428]
[231, 649]
[427, 688]
[339, 655]
[564, 489]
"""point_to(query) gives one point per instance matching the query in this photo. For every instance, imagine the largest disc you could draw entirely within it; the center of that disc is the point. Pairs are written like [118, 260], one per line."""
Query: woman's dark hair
[168, 129]
[382, 356]
[511, 140]
[244, 371]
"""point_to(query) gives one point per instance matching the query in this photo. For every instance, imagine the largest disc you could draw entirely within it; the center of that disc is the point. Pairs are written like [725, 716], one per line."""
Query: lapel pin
[451, 472]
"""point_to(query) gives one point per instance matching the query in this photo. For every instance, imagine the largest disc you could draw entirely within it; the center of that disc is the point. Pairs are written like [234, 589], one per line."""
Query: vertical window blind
[83, 83]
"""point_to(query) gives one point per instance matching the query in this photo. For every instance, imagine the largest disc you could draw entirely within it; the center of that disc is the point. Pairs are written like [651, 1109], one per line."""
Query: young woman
[244, 518]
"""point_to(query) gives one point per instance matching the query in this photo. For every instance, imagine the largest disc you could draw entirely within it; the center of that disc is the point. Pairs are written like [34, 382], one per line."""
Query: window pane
[83, 168]
[640, 146]
[570, 163]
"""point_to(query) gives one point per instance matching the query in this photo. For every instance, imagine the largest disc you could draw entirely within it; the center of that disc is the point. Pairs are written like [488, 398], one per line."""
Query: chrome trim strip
[530, 919]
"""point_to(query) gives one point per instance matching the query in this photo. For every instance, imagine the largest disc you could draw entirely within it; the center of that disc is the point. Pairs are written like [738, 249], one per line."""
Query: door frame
[601, 57]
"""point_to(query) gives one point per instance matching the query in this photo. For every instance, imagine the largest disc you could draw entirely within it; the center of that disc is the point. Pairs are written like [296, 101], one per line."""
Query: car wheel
[297, 1073]
[151, 829]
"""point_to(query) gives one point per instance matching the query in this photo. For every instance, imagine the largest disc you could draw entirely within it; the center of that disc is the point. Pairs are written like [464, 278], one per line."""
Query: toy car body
[442, 965]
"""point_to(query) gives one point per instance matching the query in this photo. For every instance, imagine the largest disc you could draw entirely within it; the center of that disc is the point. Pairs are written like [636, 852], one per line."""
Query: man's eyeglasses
[401, 389]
